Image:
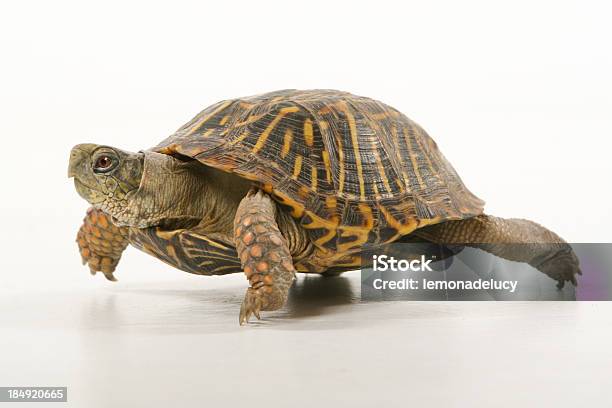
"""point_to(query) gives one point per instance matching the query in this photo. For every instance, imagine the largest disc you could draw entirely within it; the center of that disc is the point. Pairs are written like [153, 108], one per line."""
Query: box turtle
[289, 181]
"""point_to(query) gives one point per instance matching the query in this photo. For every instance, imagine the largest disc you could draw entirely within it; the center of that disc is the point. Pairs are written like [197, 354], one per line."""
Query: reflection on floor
[180, 344]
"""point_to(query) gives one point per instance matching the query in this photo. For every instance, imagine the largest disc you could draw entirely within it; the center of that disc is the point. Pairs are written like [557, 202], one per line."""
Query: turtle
[290, 181]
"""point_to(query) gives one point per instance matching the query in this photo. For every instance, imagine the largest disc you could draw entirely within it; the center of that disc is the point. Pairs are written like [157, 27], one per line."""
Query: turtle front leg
[264, 255]
[101, 243]
[513, 239]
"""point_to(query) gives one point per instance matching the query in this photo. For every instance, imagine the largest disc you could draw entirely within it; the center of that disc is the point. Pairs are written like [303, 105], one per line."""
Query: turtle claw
[95, 267]
[561, 282]
[109, 276]
[251, 305]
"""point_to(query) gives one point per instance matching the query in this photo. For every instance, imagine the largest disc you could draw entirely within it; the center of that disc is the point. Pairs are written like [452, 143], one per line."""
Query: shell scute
[353, 170]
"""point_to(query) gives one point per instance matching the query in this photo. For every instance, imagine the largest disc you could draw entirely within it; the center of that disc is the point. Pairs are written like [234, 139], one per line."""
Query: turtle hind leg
[101, 243]
[512, 239]
[264, 255]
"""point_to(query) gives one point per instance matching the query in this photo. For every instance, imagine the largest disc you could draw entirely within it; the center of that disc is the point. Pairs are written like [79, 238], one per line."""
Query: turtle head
[106, 177]
[140, 189]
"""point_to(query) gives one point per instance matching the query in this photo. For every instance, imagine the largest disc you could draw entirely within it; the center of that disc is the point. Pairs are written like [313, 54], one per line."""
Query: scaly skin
[152, 190]
[513, 239]
[168, 194]
[264, 255]
[101, 243]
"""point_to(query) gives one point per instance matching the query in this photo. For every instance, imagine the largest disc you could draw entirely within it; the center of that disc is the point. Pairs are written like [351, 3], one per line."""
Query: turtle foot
[563, 268]
[251, 305]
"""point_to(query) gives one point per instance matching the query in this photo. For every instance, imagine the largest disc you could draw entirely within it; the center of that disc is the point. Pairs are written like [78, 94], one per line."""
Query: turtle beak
[79, 156]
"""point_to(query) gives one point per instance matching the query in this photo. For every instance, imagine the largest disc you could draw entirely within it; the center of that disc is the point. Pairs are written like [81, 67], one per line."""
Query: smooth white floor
[178, 344]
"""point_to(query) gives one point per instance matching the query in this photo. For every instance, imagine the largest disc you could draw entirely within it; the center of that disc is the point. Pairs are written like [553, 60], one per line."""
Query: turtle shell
[354, 171]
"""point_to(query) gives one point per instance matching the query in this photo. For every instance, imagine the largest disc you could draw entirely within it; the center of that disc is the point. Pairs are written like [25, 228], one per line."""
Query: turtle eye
[104, 164]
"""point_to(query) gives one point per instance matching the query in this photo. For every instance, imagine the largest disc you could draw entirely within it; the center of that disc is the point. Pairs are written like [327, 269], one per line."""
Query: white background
[517, 95]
